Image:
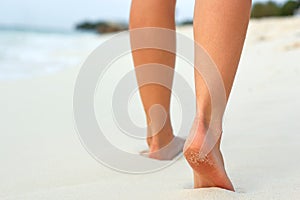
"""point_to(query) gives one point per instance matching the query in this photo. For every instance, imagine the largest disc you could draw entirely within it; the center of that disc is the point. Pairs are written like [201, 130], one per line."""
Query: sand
[41, 156]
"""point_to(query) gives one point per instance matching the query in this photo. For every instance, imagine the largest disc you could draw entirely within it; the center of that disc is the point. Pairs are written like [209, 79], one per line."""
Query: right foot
[209, 170]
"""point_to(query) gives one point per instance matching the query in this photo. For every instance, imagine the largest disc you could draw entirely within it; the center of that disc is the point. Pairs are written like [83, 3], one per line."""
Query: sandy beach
[41, 155]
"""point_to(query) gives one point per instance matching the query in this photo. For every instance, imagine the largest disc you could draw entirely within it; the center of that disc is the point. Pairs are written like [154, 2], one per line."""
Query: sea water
[28, 53]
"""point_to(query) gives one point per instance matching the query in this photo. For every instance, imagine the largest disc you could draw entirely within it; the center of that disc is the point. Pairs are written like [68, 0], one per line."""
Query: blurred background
[63, 15]
[38, 37]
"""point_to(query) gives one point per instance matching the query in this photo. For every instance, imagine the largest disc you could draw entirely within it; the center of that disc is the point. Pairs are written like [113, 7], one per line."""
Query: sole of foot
[208, 168]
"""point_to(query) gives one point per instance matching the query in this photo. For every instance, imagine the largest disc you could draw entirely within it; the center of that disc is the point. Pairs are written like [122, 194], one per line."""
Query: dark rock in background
[102, 27]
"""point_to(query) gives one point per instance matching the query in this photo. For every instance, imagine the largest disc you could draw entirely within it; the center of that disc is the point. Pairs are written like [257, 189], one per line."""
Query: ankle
[165, 133]
[202, 120]
[205, 121]
[156, 126]
[162, 138]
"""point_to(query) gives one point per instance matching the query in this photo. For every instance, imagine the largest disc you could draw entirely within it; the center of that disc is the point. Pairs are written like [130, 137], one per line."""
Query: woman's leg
[161, 14]
[220, 28]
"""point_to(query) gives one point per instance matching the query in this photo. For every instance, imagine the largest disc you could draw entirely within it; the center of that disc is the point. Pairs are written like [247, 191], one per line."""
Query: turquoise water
[27, 53]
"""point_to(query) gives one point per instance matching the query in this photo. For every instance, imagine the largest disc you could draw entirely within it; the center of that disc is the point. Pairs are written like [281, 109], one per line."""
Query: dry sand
[41, 156]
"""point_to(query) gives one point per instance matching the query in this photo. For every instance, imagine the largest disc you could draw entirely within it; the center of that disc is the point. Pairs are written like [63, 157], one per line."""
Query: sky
[64, 14]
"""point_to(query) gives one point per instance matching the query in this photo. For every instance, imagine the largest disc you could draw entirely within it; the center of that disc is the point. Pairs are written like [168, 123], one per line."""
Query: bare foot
[209, 170]
[164, 145]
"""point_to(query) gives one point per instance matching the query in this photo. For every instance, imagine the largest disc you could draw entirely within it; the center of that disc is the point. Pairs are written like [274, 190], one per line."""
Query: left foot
[164, 145]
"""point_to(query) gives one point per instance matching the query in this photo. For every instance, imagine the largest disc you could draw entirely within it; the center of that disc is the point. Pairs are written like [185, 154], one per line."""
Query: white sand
[41, 156]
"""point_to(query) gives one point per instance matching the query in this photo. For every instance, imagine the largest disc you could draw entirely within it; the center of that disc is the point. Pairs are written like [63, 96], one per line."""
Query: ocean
[28, 53]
